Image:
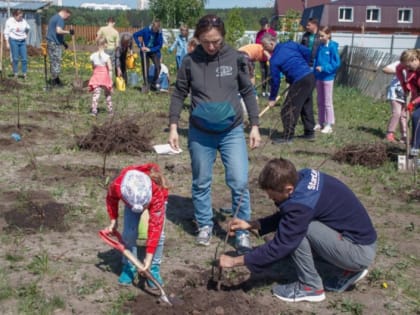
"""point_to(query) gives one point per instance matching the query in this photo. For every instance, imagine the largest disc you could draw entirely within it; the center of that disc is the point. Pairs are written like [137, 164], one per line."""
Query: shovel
[44, 53]
[119, 245]
[1, 51]
[77, 82]
[145, 87]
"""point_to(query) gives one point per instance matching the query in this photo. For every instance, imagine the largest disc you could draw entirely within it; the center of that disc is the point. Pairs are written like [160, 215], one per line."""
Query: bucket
[133, 79]
[144, 225]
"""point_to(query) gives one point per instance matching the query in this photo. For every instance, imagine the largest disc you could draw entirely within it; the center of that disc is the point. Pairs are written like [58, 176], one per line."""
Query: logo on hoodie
[224, 71]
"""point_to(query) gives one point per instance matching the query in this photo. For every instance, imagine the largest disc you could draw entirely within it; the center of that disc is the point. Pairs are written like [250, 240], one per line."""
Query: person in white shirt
[102, 76]
[15, 33]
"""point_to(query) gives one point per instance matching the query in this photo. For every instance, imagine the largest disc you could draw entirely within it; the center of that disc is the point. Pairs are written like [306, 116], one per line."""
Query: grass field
[53, 204]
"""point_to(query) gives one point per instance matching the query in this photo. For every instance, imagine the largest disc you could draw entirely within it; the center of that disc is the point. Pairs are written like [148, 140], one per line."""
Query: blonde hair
[409, 55]
[101, 44]
[192, 43]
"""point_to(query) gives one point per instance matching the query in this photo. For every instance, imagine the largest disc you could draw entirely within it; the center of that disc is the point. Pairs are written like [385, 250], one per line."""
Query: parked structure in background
[32, 15]
[368, 17]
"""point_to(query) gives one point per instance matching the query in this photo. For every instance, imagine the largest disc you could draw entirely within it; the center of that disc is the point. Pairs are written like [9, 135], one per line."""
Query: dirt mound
[9, 84]
[369, 155]
[34, 210]
[124, 136]
[196, 294]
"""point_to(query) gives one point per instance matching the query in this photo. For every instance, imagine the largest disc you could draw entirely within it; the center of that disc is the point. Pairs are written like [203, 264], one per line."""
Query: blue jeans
[203, 148]
[130, 235]
[18, 50]
[415, 125]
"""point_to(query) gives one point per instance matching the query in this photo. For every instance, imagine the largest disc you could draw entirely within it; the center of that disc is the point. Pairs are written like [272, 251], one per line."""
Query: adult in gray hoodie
[215, 73]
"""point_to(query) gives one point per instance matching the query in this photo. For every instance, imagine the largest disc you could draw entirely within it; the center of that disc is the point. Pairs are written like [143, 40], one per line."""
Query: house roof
[24, 6]
[282, 6]
[382, 3]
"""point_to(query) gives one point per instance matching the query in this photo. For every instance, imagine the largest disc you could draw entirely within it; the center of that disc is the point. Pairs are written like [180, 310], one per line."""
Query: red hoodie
[409, 82]
[156, 206]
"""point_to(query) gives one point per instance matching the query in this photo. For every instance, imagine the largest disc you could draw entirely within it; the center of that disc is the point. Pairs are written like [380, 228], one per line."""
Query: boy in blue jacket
[318, 215]
[150, 45]
[292, 59]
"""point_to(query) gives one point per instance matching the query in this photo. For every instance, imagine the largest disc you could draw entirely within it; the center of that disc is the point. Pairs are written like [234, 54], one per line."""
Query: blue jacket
[180, 44]
[317, 197]
[328, 58]
[152, 40]
[291, 59]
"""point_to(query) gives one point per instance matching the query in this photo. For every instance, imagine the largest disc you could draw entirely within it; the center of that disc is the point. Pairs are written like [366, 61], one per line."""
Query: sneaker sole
[202, 243]
[317, 298]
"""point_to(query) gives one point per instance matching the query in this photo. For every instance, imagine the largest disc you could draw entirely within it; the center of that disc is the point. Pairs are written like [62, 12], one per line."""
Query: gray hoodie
[214, 82]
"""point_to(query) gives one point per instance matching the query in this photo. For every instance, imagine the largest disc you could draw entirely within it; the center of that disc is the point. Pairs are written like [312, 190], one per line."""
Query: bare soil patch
[34, 210]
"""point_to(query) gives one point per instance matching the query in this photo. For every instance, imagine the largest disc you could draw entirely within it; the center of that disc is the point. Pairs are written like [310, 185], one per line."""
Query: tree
[235, 27]
[172, 13]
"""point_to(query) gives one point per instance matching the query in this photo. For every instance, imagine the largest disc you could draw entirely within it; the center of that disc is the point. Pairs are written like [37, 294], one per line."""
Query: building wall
[389, 20]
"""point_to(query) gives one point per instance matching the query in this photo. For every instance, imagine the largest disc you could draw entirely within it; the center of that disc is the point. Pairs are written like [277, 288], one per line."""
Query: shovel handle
[118, 244]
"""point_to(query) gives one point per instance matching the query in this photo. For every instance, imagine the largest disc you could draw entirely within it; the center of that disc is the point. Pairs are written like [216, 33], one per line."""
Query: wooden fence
[88, 33]
[361, 68]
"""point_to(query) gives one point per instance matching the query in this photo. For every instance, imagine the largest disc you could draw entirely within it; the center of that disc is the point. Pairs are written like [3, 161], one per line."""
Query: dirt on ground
[85, 269]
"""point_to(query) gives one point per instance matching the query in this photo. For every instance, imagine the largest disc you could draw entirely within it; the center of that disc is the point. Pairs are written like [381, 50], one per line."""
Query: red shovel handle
[115, 243]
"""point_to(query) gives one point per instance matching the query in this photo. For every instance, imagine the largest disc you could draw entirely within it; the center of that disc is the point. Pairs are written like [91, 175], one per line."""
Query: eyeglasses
[214, 21]
[211, 42]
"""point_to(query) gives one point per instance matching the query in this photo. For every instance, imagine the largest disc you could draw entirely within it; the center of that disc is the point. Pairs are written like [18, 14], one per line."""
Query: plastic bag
[120, 83]
[130, 61]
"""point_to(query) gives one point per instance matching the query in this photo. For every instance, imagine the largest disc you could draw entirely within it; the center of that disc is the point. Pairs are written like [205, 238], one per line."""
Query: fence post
[392, 44]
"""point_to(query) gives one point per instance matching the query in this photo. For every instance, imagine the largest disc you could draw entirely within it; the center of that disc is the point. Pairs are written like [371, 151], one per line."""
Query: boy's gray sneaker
[296, 292]
[242, 244]
[204, 235]
[345, 280]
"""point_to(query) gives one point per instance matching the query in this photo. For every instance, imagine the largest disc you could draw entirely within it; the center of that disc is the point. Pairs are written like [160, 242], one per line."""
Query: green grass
[359, 120]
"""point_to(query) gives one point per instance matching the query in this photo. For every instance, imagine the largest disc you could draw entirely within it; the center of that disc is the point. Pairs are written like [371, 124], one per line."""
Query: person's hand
[226, 261]
[147, 262]
[254, 137]
[145, 49]
[71, 32]
[173, 137]
[112, 226]
[237, 224]
[271, 103]
[7, 44]
[66, 46]
[318, 68]
[410, 107]
[119, 72]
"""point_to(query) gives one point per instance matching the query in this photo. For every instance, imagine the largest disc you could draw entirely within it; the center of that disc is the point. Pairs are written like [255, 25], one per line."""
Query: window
[345, 14]
[373, 15]
[405, 15]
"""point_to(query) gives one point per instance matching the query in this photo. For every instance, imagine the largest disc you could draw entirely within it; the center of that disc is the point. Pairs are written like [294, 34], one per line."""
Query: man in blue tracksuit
[292, 60]
[150, 45]
[318, 215]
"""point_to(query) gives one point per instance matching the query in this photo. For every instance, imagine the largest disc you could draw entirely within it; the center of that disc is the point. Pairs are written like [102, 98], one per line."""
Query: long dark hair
[208, 22]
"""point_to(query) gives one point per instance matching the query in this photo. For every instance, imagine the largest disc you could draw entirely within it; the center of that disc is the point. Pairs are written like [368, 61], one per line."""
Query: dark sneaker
[282, 141]
[204, 235]
[242, 244]
[309, 137]
[342, 282]
[226, 211]
[296, 292]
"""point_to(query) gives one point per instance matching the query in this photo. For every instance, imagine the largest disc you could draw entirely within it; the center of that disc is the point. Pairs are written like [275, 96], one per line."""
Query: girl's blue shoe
[155, 271]
[127, 275]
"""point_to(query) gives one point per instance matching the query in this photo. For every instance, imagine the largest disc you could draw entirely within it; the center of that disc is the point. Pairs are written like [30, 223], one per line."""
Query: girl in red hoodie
[140, 187]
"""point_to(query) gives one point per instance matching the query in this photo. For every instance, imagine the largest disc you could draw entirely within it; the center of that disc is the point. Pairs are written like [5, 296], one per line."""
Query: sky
[211, 4]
